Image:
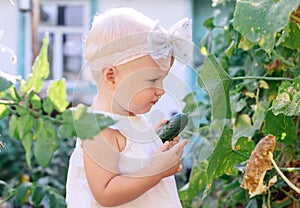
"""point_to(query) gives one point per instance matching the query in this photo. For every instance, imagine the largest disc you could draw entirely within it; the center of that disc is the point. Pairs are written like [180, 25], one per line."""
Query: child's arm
[111, 189]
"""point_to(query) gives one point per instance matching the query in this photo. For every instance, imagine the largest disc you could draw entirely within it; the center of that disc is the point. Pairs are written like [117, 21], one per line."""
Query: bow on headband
[176, 42]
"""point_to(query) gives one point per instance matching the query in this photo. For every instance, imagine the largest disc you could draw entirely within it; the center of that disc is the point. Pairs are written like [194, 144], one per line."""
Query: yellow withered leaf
[258, 165]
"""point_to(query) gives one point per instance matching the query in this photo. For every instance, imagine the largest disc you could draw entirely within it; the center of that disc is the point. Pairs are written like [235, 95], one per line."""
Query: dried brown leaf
[258, 165]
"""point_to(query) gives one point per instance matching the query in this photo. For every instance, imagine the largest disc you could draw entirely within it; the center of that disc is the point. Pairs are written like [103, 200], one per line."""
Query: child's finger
[176, 139]
[160, 123]
[179, 168]
[164, 147]
[177, 150]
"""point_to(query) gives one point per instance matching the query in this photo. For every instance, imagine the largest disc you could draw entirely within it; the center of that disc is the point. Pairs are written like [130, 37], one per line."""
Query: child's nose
[160, 91]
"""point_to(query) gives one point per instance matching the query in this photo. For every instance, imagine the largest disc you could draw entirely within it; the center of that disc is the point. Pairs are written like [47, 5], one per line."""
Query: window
[66, 22]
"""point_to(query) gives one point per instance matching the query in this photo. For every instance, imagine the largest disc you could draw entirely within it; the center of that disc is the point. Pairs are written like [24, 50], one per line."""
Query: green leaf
[48, 106]
[230, 49]
[209, 23]
[246, 126]
[280, 126]
[46, 142]
[40, 70]
[197, 182]
[37, 194]
[57, 95]
[217, 83]
[252, 203]
[27, 144]
[13, 127]
[3, 111]
[25, 124]
[36, 101]
[190, 103]
[260, 20]
[22, 191]
[66, 131]
[245, 44]
[57, 200]
[288, 99]
[67, 115]
[292, 39]
[93, 122]
[224, 157]
[5, 81]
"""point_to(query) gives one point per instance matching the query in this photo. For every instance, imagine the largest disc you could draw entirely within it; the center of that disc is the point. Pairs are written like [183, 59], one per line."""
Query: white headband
[159, 43]
[176, 42]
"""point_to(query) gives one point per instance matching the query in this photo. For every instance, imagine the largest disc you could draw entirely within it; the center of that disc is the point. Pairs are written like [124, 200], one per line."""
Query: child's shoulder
[113, 137]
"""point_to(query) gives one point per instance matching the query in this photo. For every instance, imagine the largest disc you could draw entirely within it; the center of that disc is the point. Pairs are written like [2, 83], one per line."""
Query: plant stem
[293, 169]
[295, 18]
[289, 195]
[241, 154]
[32, 112]
[8, 102]
[283, 59]
[290, 184]
[8, 198]
[269, 199]
[264, 78]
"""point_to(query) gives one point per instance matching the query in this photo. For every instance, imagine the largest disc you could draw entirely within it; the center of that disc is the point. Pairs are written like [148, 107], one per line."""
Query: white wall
[9, 26]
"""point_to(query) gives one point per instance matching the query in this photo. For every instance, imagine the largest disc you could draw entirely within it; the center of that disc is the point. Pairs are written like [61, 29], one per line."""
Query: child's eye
[153, 80]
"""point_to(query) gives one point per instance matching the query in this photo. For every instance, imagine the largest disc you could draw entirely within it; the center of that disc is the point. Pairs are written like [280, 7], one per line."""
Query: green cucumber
[173, 127]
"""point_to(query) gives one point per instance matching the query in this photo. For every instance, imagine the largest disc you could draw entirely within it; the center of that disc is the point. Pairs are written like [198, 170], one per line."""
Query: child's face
[139, 85]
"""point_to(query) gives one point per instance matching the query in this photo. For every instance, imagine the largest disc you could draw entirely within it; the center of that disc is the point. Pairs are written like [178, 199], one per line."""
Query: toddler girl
[126, 165]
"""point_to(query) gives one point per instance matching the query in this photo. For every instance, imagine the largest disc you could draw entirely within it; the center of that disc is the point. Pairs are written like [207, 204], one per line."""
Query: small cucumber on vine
[173, 127]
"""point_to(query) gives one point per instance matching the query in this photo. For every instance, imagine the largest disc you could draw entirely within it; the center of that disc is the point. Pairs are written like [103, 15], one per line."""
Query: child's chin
[143, 111]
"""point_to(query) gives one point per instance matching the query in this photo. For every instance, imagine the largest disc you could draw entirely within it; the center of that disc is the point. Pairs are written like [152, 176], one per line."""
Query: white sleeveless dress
[141, 143]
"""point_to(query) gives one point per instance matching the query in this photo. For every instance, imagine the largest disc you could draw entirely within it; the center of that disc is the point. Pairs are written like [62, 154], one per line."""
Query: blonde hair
[109, 27]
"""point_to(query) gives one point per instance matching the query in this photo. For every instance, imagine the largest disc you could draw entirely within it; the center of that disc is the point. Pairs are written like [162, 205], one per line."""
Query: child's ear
[109, 76]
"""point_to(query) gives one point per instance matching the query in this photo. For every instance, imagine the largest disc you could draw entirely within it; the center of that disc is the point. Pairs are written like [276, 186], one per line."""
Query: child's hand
[167, 160]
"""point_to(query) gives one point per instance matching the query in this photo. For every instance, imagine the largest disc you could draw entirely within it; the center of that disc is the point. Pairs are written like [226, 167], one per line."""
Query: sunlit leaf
[259, 20]
[57, 94]
[3, 111]
[40, 70]
[216, 82]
